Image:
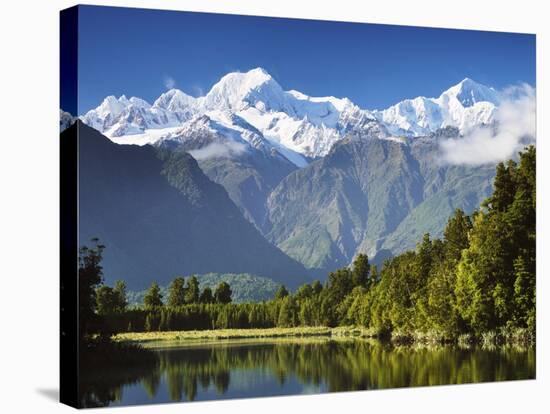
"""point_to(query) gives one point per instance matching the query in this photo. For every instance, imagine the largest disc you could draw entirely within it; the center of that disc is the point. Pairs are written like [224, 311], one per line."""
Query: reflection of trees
[105, 367]
[151, 383]
[341, 365]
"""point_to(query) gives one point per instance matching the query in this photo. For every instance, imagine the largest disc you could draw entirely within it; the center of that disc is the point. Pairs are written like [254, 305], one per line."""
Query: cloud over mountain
[514, 128]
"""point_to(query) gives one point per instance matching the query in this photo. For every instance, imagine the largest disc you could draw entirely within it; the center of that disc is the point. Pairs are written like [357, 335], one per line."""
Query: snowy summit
[252, 108]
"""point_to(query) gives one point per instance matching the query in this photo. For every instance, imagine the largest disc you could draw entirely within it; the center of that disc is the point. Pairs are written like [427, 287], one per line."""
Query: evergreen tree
[374, 275]
[106, 300]
[223, 293]
[176, 292]
[206, 296]
[153, 297]
[192, 291]
[149, 323]
[281, 292]
[360, 275]
[287, 313]
[339, 283]
[303, 292]
[306, 313]
[121, 297]
[524, 294]
[316, 287]
[455, 235]
[503, 187]
[90, 277]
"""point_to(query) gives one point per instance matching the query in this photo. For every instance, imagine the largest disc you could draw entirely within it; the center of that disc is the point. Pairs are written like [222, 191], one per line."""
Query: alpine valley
[251, 178]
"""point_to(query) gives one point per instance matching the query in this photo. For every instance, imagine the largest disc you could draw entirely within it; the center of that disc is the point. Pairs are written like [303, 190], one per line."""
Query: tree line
[478, 277]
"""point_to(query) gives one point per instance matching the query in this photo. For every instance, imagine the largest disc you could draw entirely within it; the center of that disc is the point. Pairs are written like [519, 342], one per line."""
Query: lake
[245, 368]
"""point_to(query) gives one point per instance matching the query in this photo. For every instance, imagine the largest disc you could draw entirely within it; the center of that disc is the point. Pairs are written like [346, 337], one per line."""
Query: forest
[476, 281]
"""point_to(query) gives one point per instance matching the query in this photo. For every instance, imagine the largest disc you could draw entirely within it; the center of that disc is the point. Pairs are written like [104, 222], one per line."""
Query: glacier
[252, 108]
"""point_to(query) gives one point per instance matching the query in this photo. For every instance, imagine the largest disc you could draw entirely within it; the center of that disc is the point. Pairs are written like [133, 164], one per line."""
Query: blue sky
[136, 51]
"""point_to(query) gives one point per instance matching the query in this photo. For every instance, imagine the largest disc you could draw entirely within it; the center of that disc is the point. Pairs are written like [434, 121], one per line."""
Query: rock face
[371, 196]
[160, 216]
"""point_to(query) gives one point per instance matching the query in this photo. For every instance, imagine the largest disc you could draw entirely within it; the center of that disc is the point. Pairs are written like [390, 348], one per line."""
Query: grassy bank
[521, 337]
[223, 334]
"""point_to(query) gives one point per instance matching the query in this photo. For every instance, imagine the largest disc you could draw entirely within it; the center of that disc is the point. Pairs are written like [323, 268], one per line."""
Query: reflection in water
[240, 369]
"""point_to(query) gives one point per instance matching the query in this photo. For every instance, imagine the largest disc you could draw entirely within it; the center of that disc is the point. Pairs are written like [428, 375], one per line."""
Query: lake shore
[489, 339]
[214, 334]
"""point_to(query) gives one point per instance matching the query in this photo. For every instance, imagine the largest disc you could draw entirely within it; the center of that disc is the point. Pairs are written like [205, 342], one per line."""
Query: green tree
[303, 292]
[503, 187]
[524, 294]
[176, 292]
[306, 313]
[90, 277]
[455, 235]
[106, 300]
[316, 287]
[151, 322]
[281, 292]
[223, 293]
[192, 291]
[339, 283]
[206, 296]
[121, 296]
[153, 297]
[287, 312]
[360, 275]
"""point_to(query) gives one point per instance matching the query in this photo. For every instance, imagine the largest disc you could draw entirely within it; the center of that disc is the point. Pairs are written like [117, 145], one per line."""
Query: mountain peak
[113, 106]
[469, 92]
[174, 100]
[237, 90]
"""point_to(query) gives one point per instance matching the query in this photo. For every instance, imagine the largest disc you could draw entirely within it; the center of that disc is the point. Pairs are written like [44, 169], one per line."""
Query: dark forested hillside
[160, 218]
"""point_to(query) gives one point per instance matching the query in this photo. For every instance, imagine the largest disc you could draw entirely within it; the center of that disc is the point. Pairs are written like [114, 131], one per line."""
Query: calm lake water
[238, 369]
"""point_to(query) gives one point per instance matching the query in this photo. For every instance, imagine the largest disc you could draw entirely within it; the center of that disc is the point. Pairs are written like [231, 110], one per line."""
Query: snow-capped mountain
[464, 106]
[253, 107]
[65, 120]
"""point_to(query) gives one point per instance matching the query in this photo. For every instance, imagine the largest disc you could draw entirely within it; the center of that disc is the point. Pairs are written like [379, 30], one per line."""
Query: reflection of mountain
[282, 367]
[162, 217]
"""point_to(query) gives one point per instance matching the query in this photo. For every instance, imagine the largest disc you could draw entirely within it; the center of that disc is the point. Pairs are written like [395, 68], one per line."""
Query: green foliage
[288, 313]
[222, 294]
[90, 277]
[206, 296]
[176, 292]
[281, 293]
[111, 299]
[496, 274]
[192, 290]
[121, 295]
[361, 271]
[153, 297]
[245, 287]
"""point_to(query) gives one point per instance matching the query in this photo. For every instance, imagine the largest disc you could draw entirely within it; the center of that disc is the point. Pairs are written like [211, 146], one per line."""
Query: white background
[29, 205]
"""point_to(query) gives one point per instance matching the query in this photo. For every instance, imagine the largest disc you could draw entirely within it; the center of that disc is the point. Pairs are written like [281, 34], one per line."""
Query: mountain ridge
[160, 216]
[299, 126]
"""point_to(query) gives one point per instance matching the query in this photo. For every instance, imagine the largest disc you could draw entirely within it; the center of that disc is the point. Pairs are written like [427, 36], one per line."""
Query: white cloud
[169, 82]
[515, 128]
[219, 150]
